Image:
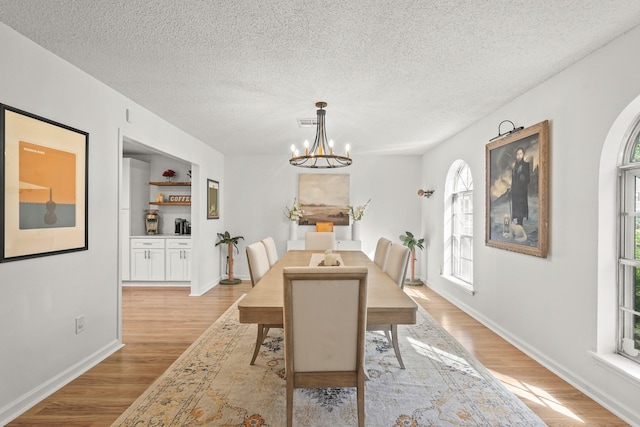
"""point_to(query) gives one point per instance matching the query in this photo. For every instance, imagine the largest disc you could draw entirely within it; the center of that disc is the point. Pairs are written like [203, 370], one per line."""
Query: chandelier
[320, 155]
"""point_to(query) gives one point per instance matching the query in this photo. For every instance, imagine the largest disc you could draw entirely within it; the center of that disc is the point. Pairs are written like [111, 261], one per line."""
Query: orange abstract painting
[47, 192]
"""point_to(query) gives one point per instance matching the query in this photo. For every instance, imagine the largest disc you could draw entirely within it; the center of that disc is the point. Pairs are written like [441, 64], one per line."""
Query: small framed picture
[517, 210]
[44, 181]
[213, 188]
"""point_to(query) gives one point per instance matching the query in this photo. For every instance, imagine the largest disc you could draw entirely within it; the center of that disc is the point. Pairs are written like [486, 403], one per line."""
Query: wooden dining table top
[386, 302]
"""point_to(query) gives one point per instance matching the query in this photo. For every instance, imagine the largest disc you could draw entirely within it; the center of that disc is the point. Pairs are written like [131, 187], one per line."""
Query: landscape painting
[324, 198]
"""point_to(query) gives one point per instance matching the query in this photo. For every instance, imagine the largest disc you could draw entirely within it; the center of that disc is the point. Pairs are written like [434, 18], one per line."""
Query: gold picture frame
[44, 186]
[213, 210]
[517, 186]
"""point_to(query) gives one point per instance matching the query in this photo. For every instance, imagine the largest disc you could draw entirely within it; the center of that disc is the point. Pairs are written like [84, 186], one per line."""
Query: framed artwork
[517, 209]
[44, 187]
[213, 211]
[324, 198]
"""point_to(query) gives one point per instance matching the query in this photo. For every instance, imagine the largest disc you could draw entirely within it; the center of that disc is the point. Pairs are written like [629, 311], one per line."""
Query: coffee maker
[179, 226]
[182, 226]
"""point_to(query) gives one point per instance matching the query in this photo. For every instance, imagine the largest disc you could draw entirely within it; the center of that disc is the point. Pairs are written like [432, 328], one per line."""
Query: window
[629, 251]
[462, 224]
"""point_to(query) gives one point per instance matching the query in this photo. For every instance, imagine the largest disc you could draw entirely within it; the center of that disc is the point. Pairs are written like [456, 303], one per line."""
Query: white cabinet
[348, 245]
[341, 245]
[147, 259]
[133, 195]
[178, 259]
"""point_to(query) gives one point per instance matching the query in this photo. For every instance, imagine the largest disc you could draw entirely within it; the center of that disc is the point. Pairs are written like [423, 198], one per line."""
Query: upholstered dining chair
[397, 261]
[382, 250]
[396, 269]
[258, 261]
[272, 252]
[322, 240]
[324, 328]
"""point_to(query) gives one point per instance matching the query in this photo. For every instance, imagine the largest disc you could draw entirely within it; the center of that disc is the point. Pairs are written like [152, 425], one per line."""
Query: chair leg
[290, 403]
[387, 334]
[360, 398]
[259, 340]
[396, 347]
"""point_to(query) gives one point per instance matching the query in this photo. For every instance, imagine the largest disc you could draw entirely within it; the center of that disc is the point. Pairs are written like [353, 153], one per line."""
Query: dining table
[387, 304]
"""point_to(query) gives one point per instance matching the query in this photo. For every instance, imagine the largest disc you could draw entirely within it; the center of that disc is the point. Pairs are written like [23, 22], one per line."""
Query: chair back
[325, 318]
[320, 240]
[396, 265]
[382, 250]
[258, 261]
[272, 252]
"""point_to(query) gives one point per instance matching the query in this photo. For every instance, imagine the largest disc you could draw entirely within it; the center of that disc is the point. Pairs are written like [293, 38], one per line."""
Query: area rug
[212, 384]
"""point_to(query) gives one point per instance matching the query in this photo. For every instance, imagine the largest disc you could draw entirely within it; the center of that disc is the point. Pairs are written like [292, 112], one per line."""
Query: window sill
[619, 365]
[464, 286]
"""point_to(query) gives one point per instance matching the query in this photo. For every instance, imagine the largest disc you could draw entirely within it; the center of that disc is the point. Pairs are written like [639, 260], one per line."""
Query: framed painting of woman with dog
[517, 213]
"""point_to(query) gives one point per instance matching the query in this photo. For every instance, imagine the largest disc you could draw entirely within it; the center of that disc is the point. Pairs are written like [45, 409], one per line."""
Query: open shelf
[170, 184]
[171, 203]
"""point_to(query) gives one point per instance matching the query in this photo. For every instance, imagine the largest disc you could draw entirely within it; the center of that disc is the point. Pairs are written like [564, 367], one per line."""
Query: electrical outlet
[79, 324]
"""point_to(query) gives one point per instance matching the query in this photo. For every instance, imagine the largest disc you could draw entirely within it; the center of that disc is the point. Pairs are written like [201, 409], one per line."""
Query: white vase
[355, 230]
[293, 230]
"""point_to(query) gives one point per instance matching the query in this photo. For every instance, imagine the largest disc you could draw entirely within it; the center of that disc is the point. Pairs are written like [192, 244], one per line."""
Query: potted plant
[231, 242]
[169, 174]
[412, 243]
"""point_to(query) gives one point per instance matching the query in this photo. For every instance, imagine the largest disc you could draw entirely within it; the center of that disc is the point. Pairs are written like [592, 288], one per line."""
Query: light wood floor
[160, 323]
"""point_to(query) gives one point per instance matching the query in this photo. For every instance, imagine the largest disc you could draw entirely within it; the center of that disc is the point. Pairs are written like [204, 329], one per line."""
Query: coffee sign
[180, 199]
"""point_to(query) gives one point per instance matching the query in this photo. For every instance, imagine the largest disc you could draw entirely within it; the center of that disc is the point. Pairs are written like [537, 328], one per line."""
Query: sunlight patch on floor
[535, 395]
[415, 293]
[448, 359]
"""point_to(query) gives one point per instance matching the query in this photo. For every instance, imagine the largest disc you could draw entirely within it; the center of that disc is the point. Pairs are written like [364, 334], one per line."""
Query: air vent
[307, 123]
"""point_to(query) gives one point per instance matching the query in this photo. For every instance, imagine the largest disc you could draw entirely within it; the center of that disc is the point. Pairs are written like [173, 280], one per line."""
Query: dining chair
[396, 269]
[324, 329]
[397, 261]
[382, 250]
[272, 252]
[258, 261]
[322, 240]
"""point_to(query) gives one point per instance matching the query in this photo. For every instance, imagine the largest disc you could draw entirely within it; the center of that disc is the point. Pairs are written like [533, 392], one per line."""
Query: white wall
[41, 297]
[548, 307]
[259, 187]
[545, 306]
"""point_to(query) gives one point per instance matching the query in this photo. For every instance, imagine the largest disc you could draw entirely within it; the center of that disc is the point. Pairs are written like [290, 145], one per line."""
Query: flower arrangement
[168, 174]
[356, 213]
[295, 212]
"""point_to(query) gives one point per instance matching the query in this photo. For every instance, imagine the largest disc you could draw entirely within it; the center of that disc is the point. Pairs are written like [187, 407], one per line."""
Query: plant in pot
[231, 242]
[409, 240]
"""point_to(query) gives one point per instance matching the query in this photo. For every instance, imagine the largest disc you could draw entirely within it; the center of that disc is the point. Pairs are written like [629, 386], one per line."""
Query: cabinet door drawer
[178, 243]
[147, 243]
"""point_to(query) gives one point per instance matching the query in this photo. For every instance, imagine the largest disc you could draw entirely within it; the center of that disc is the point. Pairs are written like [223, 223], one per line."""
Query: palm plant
[231, 242]
[410, 241]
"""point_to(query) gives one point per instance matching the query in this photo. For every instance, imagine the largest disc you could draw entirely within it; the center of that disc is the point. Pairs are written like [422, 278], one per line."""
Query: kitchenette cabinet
[160, 259]
[147, 259]
[178, 259]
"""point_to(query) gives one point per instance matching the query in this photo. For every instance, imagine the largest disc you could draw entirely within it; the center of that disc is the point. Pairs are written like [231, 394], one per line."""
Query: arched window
[629, 250]
[461, 243]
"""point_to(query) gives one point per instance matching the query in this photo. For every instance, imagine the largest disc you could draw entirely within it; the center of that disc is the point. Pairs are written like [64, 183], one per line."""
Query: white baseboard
[36, 395]
[629, 415]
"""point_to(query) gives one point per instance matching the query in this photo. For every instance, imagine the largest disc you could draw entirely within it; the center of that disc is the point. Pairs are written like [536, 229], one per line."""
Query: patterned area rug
[212, 384]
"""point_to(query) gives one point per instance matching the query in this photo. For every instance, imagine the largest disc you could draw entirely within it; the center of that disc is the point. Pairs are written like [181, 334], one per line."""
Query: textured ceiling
[398, 75]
